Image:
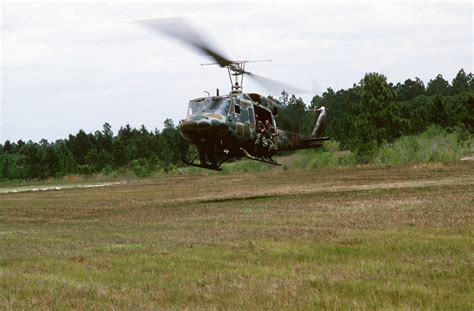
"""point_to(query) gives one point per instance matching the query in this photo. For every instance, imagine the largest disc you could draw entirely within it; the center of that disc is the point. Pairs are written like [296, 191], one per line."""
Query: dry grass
[352, 237]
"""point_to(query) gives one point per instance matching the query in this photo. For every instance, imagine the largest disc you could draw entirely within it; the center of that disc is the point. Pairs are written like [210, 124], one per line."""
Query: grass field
[365, 237]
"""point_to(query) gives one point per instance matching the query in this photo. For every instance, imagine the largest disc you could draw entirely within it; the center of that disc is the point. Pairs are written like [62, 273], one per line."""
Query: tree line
[374, 111]
[360, 118]
[140, 150]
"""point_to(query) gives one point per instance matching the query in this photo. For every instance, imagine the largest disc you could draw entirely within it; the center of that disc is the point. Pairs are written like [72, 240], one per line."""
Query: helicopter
[225, 127]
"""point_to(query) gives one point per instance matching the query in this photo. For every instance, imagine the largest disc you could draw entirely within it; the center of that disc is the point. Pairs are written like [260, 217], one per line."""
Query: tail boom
[287, 141]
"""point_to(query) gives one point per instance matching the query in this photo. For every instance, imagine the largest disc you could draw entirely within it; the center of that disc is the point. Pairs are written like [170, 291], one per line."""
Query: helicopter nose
[199, 129]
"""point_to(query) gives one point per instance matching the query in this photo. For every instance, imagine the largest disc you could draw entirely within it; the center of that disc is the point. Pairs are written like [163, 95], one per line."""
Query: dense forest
[140, 150]
[375, 111]
[360, 118]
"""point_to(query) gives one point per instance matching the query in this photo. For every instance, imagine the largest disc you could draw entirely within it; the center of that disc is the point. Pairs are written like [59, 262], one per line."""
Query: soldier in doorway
[261, 143]
[270, 135]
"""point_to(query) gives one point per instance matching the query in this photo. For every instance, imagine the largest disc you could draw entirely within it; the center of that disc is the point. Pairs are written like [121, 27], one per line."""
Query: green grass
[434, 145]
[366, 237]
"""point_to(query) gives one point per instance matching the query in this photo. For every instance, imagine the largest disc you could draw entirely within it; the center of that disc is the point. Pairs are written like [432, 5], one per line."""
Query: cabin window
[237, 109]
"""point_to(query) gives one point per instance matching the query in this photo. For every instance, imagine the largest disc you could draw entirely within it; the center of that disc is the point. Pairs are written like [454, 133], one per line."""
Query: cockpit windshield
[208, 105]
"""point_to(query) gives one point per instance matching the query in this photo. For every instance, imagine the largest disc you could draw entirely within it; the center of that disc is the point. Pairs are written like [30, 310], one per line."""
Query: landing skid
[216, 167]
[248, 155]
[208, 167]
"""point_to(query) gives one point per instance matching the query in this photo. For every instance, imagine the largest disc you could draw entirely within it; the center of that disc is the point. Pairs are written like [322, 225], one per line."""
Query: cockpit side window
[217, 106]
[208, 105]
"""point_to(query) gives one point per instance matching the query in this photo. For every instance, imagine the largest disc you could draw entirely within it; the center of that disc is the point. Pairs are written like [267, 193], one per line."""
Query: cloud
[72, 66]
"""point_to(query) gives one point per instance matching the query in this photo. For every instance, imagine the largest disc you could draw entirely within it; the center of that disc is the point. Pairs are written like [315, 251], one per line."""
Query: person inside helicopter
[260, 139]
[270, 135]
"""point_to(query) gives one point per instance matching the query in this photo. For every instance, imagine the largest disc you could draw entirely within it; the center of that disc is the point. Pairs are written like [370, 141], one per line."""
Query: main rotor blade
[178, 28]
[276, 87]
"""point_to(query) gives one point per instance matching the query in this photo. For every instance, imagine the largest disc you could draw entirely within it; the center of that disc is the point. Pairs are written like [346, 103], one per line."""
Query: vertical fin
[318, 130]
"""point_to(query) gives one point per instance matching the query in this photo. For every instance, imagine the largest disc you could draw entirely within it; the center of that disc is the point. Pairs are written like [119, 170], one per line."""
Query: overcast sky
[69, 66]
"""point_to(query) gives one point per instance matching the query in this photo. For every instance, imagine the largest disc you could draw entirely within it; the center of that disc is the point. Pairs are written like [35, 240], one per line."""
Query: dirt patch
[56, 187]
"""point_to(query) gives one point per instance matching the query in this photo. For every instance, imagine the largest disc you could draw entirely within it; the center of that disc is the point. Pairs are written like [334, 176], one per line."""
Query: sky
[70, 66]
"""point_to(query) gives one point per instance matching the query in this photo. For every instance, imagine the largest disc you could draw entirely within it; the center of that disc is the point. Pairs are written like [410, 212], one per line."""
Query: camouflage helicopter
[225, 127]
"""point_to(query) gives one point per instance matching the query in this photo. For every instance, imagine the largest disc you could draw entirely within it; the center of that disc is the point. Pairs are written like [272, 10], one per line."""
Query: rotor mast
[236, 71]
